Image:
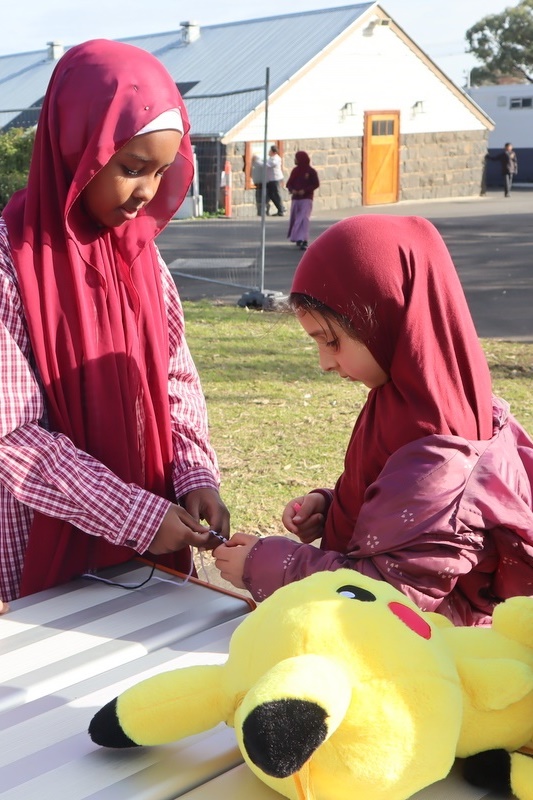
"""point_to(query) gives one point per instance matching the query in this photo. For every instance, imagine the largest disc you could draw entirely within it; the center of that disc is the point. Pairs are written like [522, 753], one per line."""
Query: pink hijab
[398, 272]
[92, 296]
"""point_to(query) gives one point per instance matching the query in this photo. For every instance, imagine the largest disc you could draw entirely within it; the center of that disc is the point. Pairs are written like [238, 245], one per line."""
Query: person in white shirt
[274, 176]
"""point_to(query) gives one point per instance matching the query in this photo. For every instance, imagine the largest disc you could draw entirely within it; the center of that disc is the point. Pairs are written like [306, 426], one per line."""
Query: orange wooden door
[381, 157]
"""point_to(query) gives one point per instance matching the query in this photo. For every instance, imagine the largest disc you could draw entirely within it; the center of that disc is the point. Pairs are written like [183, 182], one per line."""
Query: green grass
[279, 425]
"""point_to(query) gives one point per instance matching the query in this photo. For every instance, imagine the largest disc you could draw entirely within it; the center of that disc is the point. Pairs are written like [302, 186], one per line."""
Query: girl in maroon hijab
[301, 185]
[436, 492]
[103, 441]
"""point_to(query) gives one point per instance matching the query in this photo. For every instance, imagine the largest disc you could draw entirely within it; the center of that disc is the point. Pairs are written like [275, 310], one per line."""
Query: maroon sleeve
[408, 532]
[277, 560]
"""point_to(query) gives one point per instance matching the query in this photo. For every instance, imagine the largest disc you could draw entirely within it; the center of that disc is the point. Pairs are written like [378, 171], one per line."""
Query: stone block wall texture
[431, 165]
[441, 165]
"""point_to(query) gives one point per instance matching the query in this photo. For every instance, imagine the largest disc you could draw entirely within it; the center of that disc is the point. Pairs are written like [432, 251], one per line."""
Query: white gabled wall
[370, 72]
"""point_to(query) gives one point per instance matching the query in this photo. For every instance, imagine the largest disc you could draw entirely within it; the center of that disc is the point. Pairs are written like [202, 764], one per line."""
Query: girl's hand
[230, 558]
[305, 516]
[178, 530]
[206, 504]
[4, 608]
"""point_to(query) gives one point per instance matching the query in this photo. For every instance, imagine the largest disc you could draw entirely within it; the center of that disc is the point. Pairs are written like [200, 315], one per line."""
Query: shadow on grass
[511, 371]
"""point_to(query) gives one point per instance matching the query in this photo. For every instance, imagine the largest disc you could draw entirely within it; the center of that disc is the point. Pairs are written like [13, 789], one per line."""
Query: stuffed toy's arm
[163, 708]
[514, 619]
[495, 684]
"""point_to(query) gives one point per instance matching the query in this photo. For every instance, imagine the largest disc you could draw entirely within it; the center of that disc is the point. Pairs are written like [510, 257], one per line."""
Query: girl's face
[338, 352]
[130, 178]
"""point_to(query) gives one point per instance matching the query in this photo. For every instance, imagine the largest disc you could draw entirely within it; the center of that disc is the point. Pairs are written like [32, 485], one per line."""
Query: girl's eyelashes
[323, 341]
[133, 173]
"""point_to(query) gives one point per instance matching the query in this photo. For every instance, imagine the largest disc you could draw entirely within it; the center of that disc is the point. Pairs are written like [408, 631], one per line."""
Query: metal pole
[263, 189]
[218, 171]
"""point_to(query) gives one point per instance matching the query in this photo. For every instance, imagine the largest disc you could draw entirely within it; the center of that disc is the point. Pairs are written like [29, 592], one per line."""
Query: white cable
[92, 576]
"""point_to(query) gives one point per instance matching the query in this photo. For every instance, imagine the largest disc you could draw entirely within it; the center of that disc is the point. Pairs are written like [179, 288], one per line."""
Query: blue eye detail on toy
[356, 593]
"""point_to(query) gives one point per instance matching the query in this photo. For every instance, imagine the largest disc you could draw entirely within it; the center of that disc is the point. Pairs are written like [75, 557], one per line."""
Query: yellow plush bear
[339, 687]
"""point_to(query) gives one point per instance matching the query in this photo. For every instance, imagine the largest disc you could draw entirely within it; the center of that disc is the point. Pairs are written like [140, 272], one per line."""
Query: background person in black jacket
[509, 163]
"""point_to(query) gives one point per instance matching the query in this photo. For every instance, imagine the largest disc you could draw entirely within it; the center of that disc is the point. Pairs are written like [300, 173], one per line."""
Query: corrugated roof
[225, 58]
[235, 55]
[23, 81]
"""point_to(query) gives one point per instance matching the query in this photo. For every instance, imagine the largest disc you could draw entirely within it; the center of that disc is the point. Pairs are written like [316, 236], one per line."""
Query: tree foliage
[15, 154]
[504, 44]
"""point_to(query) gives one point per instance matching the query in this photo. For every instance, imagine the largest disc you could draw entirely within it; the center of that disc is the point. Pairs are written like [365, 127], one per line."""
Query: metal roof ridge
[349, 7]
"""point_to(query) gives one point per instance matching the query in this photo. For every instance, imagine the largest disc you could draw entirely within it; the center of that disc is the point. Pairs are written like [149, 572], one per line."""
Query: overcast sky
[437, 26]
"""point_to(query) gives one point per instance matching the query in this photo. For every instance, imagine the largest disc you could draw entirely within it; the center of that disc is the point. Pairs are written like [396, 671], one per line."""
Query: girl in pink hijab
[436, 492]
[103, 430]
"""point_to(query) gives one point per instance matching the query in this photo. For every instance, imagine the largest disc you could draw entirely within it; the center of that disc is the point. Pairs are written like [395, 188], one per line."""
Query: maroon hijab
[92, 296]
[397, 272]
[302, 176]
[302, 161]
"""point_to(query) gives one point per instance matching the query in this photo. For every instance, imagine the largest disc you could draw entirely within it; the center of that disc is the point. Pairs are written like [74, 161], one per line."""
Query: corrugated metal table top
[65, 652]
[241, 784]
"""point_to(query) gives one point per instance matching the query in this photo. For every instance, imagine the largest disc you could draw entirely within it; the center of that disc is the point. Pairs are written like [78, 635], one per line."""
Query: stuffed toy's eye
[356, 593]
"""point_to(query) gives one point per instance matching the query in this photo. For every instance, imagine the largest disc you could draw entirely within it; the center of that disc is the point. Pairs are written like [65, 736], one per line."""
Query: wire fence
[211, 116]
[225, 183]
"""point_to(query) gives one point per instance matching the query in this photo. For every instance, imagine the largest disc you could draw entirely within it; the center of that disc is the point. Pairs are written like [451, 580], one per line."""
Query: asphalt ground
[490, 239]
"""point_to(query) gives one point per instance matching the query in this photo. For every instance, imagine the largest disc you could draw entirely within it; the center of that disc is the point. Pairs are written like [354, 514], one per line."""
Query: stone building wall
[337, 161]
[432, 165]
[438, 165]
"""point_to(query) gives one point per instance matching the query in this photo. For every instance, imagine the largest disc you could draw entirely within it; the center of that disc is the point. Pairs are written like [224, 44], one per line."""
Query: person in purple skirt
[302, 183]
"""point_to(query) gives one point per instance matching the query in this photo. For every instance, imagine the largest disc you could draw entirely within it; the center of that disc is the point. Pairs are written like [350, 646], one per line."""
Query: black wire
[122, 585]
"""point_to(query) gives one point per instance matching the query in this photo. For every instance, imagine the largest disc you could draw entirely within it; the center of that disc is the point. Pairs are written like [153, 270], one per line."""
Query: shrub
[15, 154]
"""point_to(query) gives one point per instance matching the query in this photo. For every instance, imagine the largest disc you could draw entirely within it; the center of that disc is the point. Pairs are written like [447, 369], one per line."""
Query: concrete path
[490, 239]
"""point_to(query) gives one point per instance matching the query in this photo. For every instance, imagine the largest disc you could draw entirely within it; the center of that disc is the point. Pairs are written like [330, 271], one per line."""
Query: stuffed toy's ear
[162, 709]
[502, 772]
[522, 775]
[105, 728]
[489, 770]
